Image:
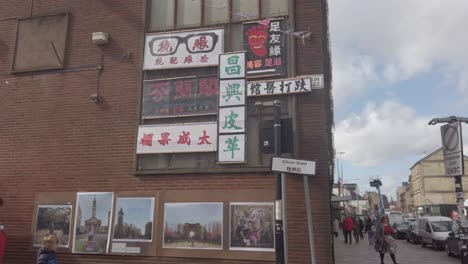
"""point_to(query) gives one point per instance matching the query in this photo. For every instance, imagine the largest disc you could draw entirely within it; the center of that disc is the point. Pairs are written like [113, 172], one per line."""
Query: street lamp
[281, 246]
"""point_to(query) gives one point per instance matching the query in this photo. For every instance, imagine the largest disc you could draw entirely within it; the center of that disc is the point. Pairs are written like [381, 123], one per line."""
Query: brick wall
[54, 139]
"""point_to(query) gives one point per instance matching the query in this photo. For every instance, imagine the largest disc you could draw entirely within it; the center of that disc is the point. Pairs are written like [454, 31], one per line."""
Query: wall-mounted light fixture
[100, 38]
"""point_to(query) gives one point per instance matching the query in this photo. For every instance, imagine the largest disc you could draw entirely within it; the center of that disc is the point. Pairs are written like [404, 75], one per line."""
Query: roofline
[417, 162]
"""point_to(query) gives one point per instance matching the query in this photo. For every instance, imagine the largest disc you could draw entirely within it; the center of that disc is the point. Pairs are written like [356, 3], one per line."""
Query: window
[193, 13]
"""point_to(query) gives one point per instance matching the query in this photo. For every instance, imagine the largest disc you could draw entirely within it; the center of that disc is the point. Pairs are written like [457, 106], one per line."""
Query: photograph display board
[53, 219]
[193, 226]
[133, 219]
[198, 48]
[93, 219]
[177, 138]
[251, 226]
[232, 108]
[180, 97]
[266, 47]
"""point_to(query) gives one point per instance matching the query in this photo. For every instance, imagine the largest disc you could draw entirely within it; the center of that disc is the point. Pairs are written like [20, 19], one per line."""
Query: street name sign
[294, 166]
[453, 149]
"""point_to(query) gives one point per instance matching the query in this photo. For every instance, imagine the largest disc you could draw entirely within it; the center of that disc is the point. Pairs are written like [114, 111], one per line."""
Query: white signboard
[294, 166]
[232, 92]
[183, 49]
[231, 120]
[453, 149]
[198, 137]
[300, 84]
[231, 148]
[232, 65]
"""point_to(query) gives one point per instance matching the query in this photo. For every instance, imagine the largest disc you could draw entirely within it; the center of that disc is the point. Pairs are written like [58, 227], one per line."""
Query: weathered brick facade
[54, 139]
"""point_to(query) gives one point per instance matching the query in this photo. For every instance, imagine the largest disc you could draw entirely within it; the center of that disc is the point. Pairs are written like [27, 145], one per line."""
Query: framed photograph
[251, 226]
[193, 226]
[53, 219]
[93, 222]
[133, 220]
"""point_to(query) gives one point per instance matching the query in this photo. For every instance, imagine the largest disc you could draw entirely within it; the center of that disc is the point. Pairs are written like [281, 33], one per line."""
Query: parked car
[453, 244]
[399, 229]
[409, 219]
[434, 230]
[412, 233]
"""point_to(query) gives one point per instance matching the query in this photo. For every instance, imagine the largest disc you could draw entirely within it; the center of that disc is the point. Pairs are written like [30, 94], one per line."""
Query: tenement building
[143, 131]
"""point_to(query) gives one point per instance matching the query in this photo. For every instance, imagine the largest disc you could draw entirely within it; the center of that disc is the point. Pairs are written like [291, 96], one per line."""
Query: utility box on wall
[267, 136]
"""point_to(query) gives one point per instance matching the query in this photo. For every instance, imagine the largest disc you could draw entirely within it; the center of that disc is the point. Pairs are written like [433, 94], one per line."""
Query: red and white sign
[183, 49]
[177, 138]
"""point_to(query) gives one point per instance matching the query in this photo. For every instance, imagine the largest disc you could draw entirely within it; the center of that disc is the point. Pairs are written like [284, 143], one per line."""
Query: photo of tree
[133, 220]
[53, 219]
[193, 225]
[252, 226]
[93, 222]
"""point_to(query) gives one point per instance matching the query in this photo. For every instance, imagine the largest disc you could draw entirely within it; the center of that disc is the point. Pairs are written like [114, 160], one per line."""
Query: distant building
[400, 191]
[432, 191]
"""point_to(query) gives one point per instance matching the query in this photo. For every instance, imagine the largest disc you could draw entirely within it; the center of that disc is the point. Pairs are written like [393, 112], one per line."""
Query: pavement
[407, 253]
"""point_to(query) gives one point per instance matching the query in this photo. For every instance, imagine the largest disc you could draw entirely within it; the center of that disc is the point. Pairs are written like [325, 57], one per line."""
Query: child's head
[50, 242]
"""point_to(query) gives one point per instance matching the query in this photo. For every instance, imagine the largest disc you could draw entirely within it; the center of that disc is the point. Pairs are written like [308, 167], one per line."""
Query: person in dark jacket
[46, 254]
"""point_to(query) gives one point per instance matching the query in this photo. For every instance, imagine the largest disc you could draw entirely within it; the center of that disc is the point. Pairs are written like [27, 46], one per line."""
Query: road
[407, 253]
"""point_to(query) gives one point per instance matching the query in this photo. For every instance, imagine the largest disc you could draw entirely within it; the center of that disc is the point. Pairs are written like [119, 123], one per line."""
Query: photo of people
[93, 222]
[193, 225]
[133, 219]
[53, 219]
[252, 226]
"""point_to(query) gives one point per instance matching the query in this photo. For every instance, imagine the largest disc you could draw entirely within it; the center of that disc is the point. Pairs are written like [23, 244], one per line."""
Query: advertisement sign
[265, 44]
[232, 66]
[300, 84]
[177, 138]
[183, 49]
[232, 92]
[231, 148]
[180, 97]
[231, 120]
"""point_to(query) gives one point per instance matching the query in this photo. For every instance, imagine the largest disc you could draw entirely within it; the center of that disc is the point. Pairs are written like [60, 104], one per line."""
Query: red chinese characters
[147, 140]
[204, 139]
[200, 44]
[184, 138]
[164, 139]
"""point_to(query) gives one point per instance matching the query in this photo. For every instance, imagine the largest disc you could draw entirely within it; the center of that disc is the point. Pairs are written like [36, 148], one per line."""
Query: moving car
[412, 233]
[394, 217]
[399, 229]
[434, 230]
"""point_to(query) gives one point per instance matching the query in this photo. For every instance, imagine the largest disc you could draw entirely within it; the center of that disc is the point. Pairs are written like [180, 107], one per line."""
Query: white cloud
[386, 133]
[390, 41]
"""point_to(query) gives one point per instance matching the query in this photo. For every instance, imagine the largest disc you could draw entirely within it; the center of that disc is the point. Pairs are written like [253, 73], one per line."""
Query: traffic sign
[294, 166]
[451, 138]
[453, 164]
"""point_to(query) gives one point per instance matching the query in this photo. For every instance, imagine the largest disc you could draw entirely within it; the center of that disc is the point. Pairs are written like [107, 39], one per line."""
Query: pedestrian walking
[370, 230]
[336, 227]
[361, 228]
[356, 230]
[348, 226]
[46, 254]
[384, 242]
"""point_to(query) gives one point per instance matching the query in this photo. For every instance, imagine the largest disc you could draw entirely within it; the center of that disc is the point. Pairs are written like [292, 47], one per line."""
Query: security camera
[95, 98]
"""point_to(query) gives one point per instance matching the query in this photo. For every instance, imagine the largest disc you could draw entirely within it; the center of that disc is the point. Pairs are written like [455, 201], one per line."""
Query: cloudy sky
[396, 65]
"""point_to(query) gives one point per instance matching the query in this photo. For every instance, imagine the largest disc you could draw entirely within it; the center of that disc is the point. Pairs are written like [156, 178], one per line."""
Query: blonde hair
[49, 241]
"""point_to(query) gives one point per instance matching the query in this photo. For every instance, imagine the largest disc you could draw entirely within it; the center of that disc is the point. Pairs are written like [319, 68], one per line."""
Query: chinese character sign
[183, 49]
[232, 92]
[231, 148]
[178, 138]
[232, 65]
[266, 47]
[180, 97]
[231, 120]
[300, 84]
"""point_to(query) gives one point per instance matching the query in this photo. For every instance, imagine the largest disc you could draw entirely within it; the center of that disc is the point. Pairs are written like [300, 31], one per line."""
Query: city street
[407, 253]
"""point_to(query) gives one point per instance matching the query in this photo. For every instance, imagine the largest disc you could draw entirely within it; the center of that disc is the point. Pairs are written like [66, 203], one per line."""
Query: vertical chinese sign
[266, 47]
[232, 108]
[183, 49]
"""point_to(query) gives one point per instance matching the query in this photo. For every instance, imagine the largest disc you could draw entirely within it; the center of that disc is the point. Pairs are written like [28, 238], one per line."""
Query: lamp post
[280, 207]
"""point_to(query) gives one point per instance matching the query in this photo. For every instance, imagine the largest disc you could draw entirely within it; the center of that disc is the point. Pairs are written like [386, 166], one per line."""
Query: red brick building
[71, 112]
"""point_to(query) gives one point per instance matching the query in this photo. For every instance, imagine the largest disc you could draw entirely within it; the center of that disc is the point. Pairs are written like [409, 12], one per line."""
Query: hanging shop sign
[180, 97]
[183, 49]
[301, 84]
[232, 108]
[266, 48]
[177, 138]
